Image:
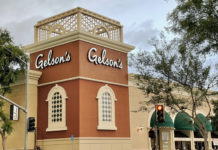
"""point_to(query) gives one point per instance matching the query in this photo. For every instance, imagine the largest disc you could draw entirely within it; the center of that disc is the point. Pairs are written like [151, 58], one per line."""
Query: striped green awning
[183, 122]
[202, 120]
[168, 121]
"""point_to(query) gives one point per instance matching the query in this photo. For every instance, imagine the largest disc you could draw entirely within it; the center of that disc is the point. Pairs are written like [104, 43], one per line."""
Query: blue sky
[142, 19]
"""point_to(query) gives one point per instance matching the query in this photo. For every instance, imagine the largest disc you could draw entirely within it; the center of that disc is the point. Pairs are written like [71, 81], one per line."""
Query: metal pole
[27, 104]
[10, 101]
[35, 136]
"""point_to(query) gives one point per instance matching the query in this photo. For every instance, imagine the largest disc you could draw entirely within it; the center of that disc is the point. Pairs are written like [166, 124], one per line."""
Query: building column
[172, 139]
[33, 102]
[209, 140]
[192, 140]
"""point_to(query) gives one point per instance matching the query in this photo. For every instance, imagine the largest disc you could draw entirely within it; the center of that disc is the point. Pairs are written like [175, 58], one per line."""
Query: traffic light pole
[160, 118]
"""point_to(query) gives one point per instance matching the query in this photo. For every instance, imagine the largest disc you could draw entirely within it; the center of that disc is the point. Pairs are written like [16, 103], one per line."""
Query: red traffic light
[160, 115]
[159, 107]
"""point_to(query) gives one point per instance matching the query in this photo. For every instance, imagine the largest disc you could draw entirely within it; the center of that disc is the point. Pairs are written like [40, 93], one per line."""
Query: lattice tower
[78, 19]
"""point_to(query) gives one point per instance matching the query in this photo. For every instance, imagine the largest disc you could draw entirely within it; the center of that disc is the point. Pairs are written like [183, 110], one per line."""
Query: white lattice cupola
[78, 19]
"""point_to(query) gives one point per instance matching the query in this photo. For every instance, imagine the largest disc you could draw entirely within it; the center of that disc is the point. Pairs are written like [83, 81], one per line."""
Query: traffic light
[31, 124]
[160, 114]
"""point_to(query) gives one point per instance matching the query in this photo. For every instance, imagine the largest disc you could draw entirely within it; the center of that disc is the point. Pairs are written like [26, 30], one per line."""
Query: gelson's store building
[78, 62]
[80, 95]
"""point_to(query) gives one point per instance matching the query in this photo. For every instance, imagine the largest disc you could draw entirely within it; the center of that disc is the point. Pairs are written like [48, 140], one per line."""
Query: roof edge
[75, 36]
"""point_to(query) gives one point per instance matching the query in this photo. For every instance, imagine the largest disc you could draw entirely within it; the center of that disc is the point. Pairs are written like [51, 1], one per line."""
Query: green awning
[183, 122]
[168, 121]
[202, 120]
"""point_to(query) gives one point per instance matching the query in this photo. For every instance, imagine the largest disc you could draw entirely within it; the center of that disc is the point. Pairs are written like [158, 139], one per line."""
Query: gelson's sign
[41, 63]
[102, 60]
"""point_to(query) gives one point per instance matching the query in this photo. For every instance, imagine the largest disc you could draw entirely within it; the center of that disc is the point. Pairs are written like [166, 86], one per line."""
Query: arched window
[56, 109]
[106, 108]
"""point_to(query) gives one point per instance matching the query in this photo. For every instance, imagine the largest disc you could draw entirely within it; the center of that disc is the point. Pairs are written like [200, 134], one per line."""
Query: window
[56, 109]
[106, 108]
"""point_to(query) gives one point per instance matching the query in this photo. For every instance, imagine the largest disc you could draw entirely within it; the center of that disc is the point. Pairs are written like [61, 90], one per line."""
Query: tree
[177, 77]
[196, 21]
[214, 119]
[10, 67]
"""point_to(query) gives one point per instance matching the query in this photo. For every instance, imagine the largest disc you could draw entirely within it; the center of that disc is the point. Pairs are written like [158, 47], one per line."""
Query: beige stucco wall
[16, 139]
[17, 136]
[139, 120]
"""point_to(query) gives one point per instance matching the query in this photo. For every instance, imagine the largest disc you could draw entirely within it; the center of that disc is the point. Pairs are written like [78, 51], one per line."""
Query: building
[80, 95]
[79, 91]
[177, 133]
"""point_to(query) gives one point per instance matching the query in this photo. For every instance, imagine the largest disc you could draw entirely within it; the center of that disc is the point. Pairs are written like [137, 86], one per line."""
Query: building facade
[81, 95]
[178, 132]
[83, 100]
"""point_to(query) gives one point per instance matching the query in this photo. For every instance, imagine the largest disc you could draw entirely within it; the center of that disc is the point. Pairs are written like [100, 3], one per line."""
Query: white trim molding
[84, 78]
[106, 108]
[56, 109]
[75, 36]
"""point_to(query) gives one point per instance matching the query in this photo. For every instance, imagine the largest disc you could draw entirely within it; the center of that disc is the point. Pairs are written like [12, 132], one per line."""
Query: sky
[142, 19]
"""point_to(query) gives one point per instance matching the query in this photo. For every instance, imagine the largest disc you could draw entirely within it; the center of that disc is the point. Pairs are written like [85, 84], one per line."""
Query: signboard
[14, 112]
[41, 63]
[103, 60]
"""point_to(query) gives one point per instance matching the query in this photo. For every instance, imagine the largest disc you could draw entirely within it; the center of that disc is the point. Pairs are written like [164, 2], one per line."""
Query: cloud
[139, 34]
[20, 16]
[22, 32]
[12, 10]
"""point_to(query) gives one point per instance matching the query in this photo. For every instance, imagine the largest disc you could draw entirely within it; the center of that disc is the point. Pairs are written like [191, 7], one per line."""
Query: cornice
[75, 36]
[33, 78]
[35, 75]
[83, 78]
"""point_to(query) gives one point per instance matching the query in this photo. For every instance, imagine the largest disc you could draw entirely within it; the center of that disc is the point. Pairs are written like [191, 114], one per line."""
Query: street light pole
[27, 104]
